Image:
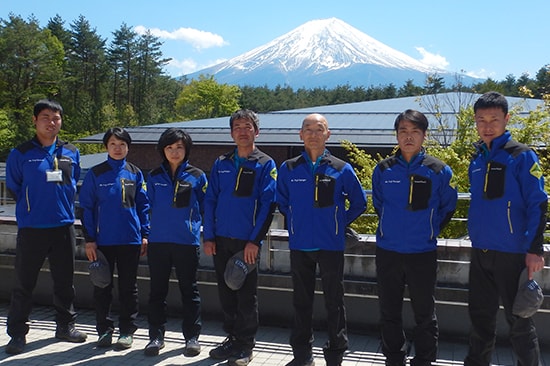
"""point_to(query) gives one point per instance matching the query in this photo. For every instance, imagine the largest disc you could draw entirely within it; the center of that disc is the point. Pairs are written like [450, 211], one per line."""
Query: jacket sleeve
[355, 195]
[377, 191]
[264, 216]
[282, 190]
[150, 192]
[536, 200]
[142, 205]
[88, 201]
[77, 169]
[14, 174]
[448, 197]
[210, 204]
[200, 192]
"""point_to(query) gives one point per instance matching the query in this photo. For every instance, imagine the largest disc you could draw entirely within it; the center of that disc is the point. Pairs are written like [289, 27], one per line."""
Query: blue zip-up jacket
[508, 203]
[313, 200]
[176, 204]
[115, 207]
[413, 201]
[41, 203]
[239, 202]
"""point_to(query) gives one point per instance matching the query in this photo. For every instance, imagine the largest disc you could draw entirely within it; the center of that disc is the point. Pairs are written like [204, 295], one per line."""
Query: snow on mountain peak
[320, 46]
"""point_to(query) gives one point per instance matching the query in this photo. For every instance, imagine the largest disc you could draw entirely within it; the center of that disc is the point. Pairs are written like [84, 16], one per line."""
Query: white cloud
[431, 59]
[197, 38]
[187, 66]
[482, 74]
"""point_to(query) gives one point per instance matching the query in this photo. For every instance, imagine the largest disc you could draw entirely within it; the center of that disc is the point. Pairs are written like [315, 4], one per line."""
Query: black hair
[492, 99]
[47, 104]
[415, 117]
[171, 136]
[245, 114]
[120, 133]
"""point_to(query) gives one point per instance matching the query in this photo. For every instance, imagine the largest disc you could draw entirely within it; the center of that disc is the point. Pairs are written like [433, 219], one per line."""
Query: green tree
[31, 61]
[56, 25]
[87, 75]
[149, 70]
[7, 135]
[409, 89]
[206, 98]
[122, 57]
[533, 130]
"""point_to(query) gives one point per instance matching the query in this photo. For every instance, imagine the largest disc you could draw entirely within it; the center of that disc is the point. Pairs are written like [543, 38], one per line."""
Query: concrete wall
[275, 287]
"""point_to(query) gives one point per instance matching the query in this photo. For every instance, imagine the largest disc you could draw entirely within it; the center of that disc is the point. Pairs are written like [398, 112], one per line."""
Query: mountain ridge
[322, 53]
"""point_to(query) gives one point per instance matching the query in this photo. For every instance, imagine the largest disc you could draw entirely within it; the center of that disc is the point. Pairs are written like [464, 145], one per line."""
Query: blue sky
[483, 38]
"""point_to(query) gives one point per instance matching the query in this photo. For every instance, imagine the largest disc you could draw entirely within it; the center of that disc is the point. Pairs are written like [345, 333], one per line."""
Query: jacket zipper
[27, 199]
[336, 218]
[486, 178]
[123, 189]
[411, 189]
[509, 213]
[238, 179]
[175, 192]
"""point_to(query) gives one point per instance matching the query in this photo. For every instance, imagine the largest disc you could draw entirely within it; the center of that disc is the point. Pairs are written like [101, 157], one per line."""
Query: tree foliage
[103, 83]
[533, 130]
[205, 98]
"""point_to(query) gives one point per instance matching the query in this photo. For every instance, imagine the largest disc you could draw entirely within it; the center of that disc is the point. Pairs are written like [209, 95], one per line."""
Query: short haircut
[415, 117]
[47, 104]
[492, 99]
[171, 136]
[118, 132]
[245, 114]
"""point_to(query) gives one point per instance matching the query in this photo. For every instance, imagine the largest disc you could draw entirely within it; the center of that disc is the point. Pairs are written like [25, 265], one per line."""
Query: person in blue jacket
[413, 199]
[312, 191]
[41, 175]
[115, 221]
[238, 211]
[506, 223]
[176, 192]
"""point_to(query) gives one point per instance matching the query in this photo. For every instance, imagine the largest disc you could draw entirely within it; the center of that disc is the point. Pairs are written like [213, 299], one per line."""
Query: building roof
[366, 124]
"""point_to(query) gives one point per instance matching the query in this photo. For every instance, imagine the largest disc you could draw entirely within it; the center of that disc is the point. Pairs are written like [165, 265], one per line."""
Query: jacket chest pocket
[129, 190]
[324, 191]
[420, 192]
[182, 194]
[493, 186]
[245, 182]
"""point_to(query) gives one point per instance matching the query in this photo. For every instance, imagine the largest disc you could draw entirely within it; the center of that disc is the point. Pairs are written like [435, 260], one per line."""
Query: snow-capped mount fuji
[322, 53]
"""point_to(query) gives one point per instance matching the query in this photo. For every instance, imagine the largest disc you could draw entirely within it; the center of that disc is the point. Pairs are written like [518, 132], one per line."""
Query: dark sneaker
[224, 350]
[153, 347]
[192, 347]
[70, 334]
[241, 358]
[15, 345]
[124, 341]
[105, 340]
[295, 362]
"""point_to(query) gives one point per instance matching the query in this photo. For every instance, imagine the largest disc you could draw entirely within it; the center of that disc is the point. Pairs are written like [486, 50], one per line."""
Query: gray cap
[236, 271]
[100, 274]
[528, 298]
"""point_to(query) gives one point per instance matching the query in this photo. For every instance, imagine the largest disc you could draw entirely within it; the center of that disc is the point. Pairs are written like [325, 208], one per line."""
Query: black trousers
[33, 247]
[185, 258]
[493, 276]
[418, 272]
[240, 307]
[303, 266]
[126, 260]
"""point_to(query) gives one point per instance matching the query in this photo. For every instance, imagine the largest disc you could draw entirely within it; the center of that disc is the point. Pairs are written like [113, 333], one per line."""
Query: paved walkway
[272, 347]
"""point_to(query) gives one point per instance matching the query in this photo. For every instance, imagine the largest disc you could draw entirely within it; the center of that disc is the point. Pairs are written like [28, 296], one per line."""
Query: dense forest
[121, 82]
